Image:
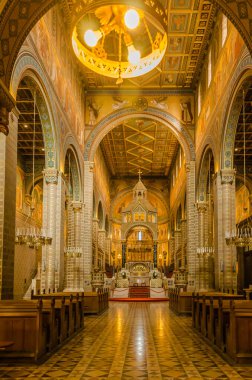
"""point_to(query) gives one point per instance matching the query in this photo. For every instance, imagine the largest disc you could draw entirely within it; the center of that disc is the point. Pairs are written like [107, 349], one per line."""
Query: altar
[139, 273]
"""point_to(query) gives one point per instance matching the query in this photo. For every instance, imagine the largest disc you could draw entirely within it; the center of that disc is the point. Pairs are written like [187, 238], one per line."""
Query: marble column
[123, 254]
[95, 242]
[88, 221]
[171, 252]
[155, 254]
[8, 167]
[227, 255]
[101, 245]
[183, 243]
[202, 208]
[53, 223]
[192, 227]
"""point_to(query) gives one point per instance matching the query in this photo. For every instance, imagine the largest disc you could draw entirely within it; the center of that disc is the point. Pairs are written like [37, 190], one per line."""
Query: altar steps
[139, 292]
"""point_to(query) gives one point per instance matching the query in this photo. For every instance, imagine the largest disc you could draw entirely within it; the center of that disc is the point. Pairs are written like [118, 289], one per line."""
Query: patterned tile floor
[133, 341]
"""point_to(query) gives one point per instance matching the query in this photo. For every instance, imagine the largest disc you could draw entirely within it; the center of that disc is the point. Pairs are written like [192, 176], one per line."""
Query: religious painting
[242, 204]
[172, 63]
[175, 44]
[179, 23]
[181, 4]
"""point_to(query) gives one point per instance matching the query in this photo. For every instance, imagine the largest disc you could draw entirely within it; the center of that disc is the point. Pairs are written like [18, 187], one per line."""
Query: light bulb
[134, 55]
[131, 18]
[92, 37]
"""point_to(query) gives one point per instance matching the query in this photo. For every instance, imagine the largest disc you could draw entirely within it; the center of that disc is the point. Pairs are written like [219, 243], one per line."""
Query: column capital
[202, 207]
[77, 205]
[187, 167]
[51, 175]
[227, 176]
[7, 102]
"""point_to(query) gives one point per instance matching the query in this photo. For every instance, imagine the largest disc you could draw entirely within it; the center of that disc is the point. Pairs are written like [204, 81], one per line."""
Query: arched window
[224, 30]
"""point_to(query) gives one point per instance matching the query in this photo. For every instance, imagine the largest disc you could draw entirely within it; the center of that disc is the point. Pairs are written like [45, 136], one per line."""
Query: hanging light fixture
[242, 236]
[132, 56]
[33, 237]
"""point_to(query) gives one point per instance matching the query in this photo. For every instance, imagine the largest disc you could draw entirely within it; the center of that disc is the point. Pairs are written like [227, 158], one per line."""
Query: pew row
[37, 328]
[225, 322]
[180, 302]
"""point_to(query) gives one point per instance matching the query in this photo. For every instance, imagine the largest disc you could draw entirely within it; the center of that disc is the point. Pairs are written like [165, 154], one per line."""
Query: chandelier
[33, 237]
[242, 236]
[121, 41]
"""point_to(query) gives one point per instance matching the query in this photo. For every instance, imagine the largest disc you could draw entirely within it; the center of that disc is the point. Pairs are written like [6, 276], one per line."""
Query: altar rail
[226, 324]
[34, 329]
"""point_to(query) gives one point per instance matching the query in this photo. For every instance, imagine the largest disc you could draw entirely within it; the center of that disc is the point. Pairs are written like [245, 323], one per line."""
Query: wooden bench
[96, 302]
[24, 324]
[180, 302]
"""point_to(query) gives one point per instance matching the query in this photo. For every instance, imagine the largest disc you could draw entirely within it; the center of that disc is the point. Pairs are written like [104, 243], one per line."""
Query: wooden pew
[24, 324]
[180, 302]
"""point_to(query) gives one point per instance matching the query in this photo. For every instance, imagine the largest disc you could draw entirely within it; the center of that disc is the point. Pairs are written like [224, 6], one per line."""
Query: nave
[134, 340]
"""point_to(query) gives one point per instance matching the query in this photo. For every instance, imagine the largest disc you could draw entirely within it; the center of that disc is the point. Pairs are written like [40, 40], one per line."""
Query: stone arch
[27, 67]
[107, 225]
[75, 172]
[140, 224]
[239, 13]
[100, 215]
[179, 217]
[242, 79]
[117, 117]
[204, 173]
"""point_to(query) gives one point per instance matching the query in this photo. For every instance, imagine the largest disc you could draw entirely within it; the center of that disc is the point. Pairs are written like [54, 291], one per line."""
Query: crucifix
[139, 173]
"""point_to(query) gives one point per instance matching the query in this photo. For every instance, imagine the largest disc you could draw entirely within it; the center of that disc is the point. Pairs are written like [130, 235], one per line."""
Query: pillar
[192, 227]
[155, 254]
[183, 243]
[201, 266]
[53, 224]
[123, 254]
[88, 222]
[8, 165]
[101, 245]
[95, 242]
[226, 278]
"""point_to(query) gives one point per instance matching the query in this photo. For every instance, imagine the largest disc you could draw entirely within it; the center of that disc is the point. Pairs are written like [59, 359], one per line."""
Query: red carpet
[138, 299]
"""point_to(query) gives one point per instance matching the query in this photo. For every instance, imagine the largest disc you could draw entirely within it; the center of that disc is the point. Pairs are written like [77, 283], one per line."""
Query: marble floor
[133, 341]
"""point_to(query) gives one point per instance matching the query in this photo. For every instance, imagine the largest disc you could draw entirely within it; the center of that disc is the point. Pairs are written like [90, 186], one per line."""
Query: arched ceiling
[139, 143]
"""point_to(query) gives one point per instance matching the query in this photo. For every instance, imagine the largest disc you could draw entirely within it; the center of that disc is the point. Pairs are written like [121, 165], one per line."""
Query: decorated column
[88, 221]
[226, 225]
[201, 266]
[8, 164]
[95, 242]
[53, 217]
[123, 254]
[155, 254]
[191, 226]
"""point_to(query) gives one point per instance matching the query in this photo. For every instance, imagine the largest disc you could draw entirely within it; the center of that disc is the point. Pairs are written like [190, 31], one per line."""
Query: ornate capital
[91, 166]
[202, 207]
[77, 206]
[227, 176]
[51, 175]
[7, 102]
[187, 167]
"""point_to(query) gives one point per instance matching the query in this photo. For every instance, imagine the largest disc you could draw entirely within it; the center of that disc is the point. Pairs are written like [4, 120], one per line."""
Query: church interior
[126, 189]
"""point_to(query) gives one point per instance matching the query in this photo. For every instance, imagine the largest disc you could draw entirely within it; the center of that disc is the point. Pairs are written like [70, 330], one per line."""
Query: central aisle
[134, 341]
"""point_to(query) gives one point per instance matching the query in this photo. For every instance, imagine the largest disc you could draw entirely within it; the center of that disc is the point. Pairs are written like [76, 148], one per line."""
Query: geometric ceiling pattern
[139, 144]
[189, 26]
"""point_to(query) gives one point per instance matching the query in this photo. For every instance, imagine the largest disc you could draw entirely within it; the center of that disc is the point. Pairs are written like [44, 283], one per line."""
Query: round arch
[204, 172]
[28, 68]
[74, 167]
[140, 224]
[242, 79]
[117, 117]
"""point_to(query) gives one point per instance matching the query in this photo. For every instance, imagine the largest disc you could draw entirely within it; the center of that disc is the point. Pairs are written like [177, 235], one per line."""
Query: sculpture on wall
[186, 108]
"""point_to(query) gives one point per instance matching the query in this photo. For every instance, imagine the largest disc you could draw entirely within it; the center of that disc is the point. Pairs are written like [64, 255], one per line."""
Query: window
[224, 29]
[140, 235]
[209, 71]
